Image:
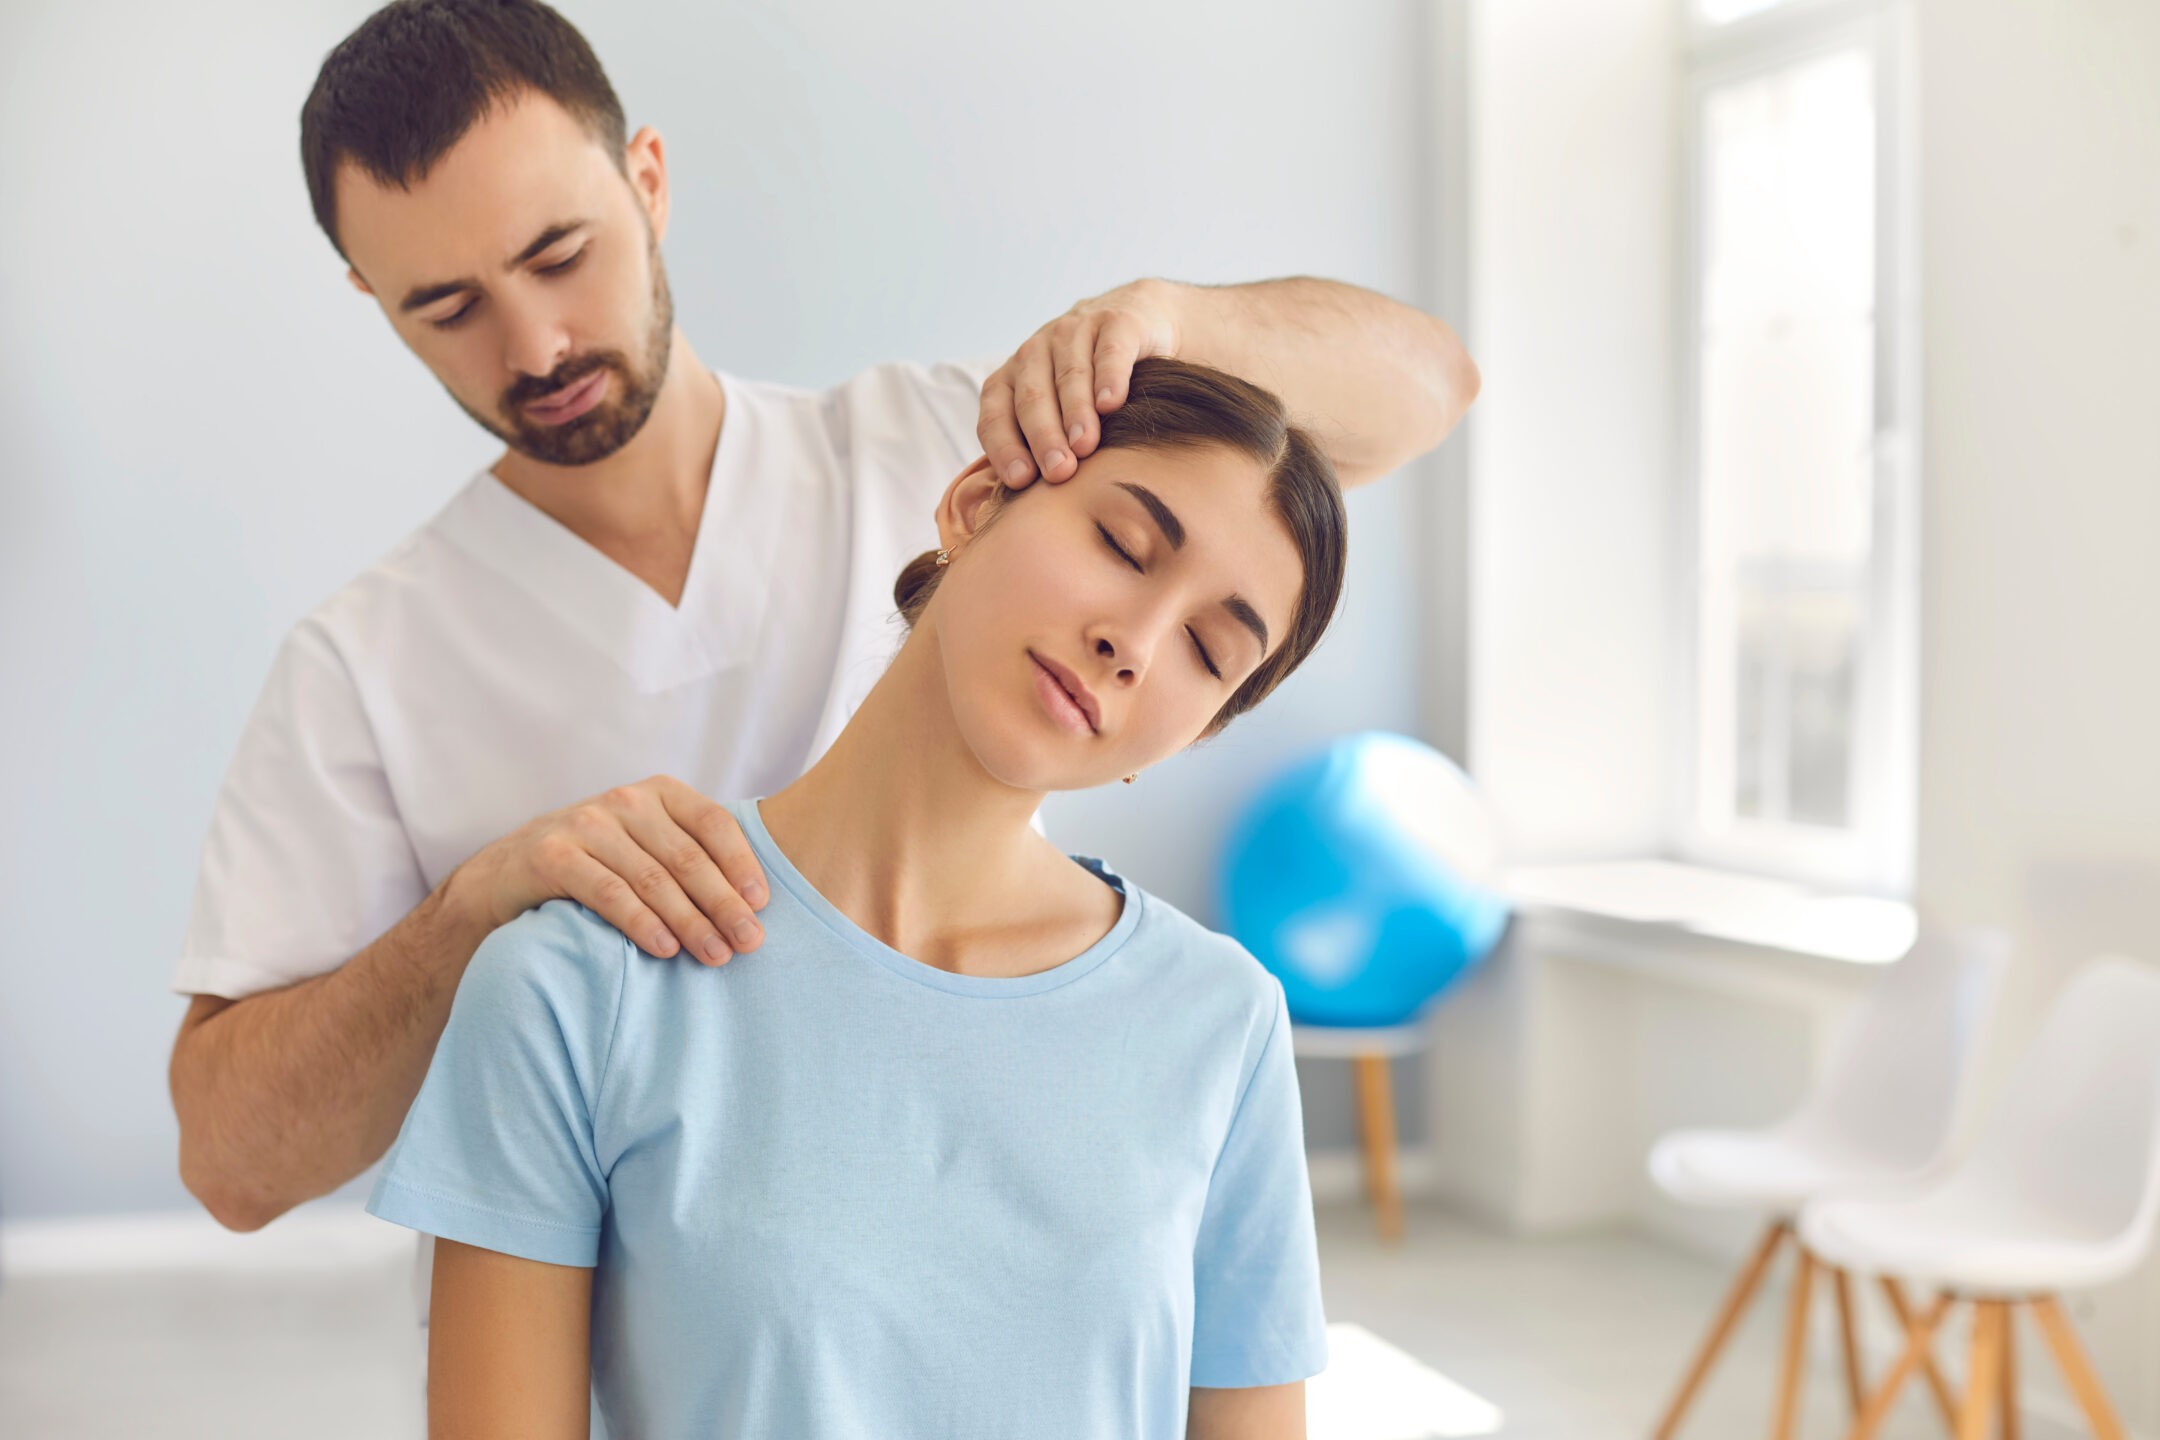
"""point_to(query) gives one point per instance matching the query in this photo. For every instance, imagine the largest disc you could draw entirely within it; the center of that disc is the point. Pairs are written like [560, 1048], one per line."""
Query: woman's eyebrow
[1173, 530]
[1249, 617]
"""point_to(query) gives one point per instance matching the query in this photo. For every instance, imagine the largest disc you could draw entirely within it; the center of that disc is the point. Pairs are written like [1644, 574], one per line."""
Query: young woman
[984, 1141]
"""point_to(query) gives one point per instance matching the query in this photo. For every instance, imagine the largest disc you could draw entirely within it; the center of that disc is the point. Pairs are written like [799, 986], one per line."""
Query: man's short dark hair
[398, 92]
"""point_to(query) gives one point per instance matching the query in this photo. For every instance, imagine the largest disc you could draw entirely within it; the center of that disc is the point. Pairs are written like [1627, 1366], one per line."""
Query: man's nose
[535, 344]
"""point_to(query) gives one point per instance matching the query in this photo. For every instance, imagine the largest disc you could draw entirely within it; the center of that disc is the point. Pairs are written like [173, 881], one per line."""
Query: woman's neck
[899, 827]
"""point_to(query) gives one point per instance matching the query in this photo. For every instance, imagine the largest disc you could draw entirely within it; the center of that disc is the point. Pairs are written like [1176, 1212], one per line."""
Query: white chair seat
[1882, 1119]
[1967, 1246]
[1771, 1170]
[2062, 1189]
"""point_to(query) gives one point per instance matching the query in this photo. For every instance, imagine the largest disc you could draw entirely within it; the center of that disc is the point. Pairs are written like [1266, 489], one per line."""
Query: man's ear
[645, 164]
[968, 503]
[357, 283]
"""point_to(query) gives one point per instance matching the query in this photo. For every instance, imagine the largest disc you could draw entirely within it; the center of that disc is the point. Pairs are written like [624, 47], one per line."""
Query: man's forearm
[288, 1094]
[1376, 381]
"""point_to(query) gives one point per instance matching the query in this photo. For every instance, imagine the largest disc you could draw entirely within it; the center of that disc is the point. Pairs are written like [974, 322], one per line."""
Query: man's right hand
[657, 860]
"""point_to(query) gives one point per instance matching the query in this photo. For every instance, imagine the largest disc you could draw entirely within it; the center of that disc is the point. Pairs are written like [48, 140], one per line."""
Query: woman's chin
[1042, 763]
[1045, 777]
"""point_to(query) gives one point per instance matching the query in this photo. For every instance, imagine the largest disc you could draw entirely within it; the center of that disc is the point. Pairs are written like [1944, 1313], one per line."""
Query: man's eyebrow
[1173, 530]
[424, 295]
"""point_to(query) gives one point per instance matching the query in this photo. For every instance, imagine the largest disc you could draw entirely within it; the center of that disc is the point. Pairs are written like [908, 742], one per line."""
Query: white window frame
[1874, 855]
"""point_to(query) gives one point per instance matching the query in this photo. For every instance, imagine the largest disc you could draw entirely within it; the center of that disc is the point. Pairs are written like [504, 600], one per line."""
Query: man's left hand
[1040, 408]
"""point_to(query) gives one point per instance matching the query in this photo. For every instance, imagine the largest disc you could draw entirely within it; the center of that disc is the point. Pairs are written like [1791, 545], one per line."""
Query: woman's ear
[968, 503]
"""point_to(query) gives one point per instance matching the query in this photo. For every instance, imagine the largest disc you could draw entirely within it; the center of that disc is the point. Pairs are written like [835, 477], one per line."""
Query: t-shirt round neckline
[779, 868]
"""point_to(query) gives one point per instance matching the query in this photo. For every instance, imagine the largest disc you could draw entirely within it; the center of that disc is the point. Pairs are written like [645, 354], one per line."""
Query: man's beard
[613, 423]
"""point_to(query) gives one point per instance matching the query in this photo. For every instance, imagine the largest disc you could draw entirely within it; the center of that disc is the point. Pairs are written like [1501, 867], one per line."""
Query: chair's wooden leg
[2007, 1373]
[1855, 1385]
[1919, 1336]
[1944, 1401]
[2070, 1355]
[1376, 1116]
[1980, 1374]
[1788, 1397]
[1736, 1301]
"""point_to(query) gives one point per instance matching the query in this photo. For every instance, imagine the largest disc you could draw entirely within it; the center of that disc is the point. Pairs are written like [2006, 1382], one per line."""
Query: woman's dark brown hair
[1176, 405]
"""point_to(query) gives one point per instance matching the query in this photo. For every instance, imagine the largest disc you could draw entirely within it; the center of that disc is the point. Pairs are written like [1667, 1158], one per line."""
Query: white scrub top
[494, 666]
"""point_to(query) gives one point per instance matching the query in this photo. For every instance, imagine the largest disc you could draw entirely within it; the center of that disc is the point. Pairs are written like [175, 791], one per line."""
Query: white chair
[1894, 1097]
[2061, 1192]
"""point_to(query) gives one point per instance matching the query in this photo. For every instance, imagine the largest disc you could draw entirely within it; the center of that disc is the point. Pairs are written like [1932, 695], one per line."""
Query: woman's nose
[1126, 659]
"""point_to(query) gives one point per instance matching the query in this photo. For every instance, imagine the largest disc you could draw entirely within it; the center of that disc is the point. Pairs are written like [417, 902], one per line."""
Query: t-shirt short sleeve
[307, 859]
[1257, 1317]
[501, 1149]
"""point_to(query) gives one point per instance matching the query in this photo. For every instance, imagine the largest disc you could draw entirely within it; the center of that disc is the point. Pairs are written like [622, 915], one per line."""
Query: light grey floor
[1584, 1339]
[1574, 1340]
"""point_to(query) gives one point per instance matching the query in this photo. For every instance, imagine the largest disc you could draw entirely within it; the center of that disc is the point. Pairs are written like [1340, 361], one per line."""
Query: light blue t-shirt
[832, 1191]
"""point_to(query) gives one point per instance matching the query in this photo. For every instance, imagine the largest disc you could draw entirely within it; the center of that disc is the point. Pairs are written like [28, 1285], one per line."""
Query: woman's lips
[1060, 704]
[570, 403]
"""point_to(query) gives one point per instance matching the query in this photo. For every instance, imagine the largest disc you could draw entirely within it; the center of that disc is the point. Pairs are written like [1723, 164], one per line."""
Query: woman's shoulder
[1212, 960]
[559, 955]
[558, 926]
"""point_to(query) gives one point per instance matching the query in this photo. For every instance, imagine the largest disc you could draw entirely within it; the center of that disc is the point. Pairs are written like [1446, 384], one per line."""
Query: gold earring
[1130, 778]
[944, 558]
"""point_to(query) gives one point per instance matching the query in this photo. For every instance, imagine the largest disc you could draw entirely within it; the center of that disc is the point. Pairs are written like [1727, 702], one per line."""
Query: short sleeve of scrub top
[306, 861]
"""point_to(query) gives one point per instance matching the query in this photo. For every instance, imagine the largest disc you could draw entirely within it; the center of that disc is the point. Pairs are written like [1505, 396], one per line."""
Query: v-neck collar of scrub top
[660, 646]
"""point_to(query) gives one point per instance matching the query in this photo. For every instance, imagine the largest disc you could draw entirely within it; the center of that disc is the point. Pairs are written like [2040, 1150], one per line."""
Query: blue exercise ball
[1365, 879]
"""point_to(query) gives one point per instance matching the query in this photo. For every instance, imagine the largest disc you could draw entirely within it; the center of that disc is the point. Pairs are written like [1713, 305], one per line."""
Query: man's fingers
[732, 928]
[998, 428]
[655, 884]
[717, 830]
[1072, 361]
[1035, 403]
[609, 896]
[1117, 350]
[712, 862]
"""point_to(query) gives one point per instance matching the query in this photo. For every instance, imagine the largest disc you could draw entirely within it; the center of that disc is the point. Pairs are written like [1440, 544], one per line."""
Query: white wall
[2040, 721]
[2040, 211]
[1572, 164]
[203, 430]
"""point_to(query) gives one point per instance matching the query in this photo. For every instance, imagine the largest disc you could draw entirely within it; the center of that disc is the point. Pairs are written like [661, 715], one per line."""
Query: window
[1796, 431]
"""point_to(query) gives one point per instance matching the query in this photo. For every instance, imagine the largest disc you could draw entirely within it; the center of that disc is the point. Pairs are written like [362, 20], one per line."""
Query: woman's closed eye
[1199, 646]
[1112, 541]
[1202, 648]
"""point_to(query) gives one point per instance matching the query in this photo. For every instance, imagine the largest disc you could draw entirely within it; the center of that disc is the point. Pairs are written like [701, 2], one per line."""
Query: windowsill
[1645, 897]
